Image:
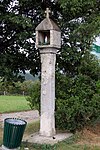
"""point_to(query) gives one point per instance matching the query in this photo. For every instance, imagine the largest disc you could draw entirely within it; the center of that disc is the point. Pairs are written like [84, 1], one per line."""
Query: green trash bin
[13, 132]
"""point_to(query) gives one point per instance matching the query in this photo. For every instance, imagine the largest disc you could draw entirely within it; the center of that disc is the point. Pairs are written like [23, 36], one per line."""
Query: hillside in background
[28, 76]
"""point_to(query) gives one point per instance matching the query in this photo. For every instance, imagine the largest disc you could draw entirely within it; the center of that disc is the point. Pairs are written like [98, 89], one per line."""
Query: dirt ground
[90, 135]
[28, 116]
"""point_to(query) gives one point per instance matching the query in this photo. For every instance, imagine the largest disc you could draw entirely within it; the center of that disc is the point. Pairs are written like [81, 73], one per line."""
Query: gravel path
[28, 116]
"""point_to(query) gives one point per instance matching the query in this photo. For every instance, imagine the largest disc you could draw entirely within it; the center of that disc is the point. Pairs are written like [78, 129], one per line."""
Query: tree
[79, 22]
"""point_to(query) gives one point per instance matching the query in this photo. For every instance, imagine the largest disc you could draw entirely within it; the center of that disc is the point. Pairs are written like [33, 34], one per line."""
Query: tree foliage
[79, 22]
[15, 88]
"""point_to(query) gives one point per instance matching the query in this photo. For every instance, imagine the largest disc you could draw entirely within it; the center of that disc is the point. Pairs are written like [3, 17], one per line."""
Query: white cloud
[97, 41]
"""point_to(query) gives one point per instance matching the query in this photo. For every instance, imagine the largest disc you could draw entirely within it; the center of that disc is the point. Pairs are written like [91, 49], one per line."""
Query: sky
[97, 41]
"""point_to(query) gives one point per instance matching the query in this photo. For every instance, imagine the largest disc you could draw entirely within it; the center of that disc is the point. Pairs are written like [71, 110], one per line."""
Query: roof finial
[47, 12]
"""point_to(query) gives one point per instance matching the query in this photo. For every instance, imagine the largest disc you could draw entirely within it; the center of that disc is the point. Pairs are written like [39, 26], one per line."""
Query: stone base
[5, 148]
[37, 138]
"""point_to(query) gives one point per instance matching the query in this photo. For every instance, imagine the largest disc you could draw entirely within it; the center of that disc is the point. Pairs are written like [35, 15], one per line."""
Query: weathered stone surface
[48, 34]
[48, 40]
[47, 24]
[47, 121]
[36, 138]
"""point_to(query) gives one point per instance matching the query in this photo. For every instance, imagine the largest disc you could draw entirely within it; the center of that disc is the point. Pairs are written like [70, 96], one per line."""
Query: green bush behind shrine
[77, 96]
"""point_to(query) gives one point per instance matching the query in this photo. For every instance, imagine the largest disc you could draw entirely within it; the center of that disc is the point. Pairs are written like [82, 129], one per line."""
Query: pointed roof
[47, 24]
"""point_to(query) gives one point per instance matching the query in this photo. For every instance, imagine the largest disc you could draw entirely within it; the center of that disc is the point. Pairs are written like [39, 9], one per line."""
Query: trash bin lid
[15, 121]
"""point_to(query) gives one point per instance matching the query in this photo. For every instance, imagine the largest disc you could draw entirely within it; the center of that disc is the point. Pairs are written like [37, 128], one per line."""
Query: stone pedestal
[47, 119]
[37, 138]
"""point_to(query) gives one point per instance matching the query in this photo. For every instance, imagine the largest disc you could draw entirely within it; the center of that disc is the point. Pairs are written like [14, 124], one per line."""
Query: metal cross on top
[47, 12]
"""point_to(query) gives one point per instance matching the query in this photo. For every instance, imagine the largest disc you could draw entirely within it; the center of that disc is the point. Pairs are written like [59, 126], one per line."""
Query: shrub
[34, 96]
[77, 102]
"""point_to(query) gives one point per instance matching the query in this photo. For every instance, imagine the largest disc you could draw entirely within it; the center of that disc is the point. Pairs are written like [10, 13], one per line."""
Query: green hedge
[77, 101]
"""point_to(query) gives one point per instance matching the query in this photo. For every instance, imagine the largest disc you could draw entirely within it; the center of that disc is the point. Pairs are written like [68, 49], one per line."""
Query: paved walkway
[28, 116]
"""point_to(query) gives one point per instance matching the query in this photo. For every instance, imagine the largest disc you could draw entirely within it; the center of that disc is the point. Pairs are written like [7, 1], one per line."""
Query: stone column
[47, 119]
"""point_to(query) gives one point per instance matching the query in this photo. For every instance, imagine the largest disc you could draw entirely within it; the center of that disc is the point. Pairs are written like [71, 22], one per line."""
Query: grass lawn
[13, 104]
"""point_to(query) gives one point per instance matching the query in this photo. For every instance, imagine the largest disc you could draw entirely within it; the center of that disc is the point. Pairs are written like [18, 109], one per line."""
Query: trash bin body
[13, 132]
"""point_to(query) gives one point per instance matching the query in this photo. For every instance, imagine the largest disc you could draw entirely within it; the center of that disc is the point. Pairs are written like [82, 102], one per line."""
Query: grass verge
[68, 144]
[32, 128]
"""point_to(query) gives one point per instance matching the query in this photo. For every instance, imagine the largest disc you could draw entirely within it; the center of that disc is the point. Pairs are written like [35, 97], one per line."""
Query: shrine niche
[48, 33]
[44, 37]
